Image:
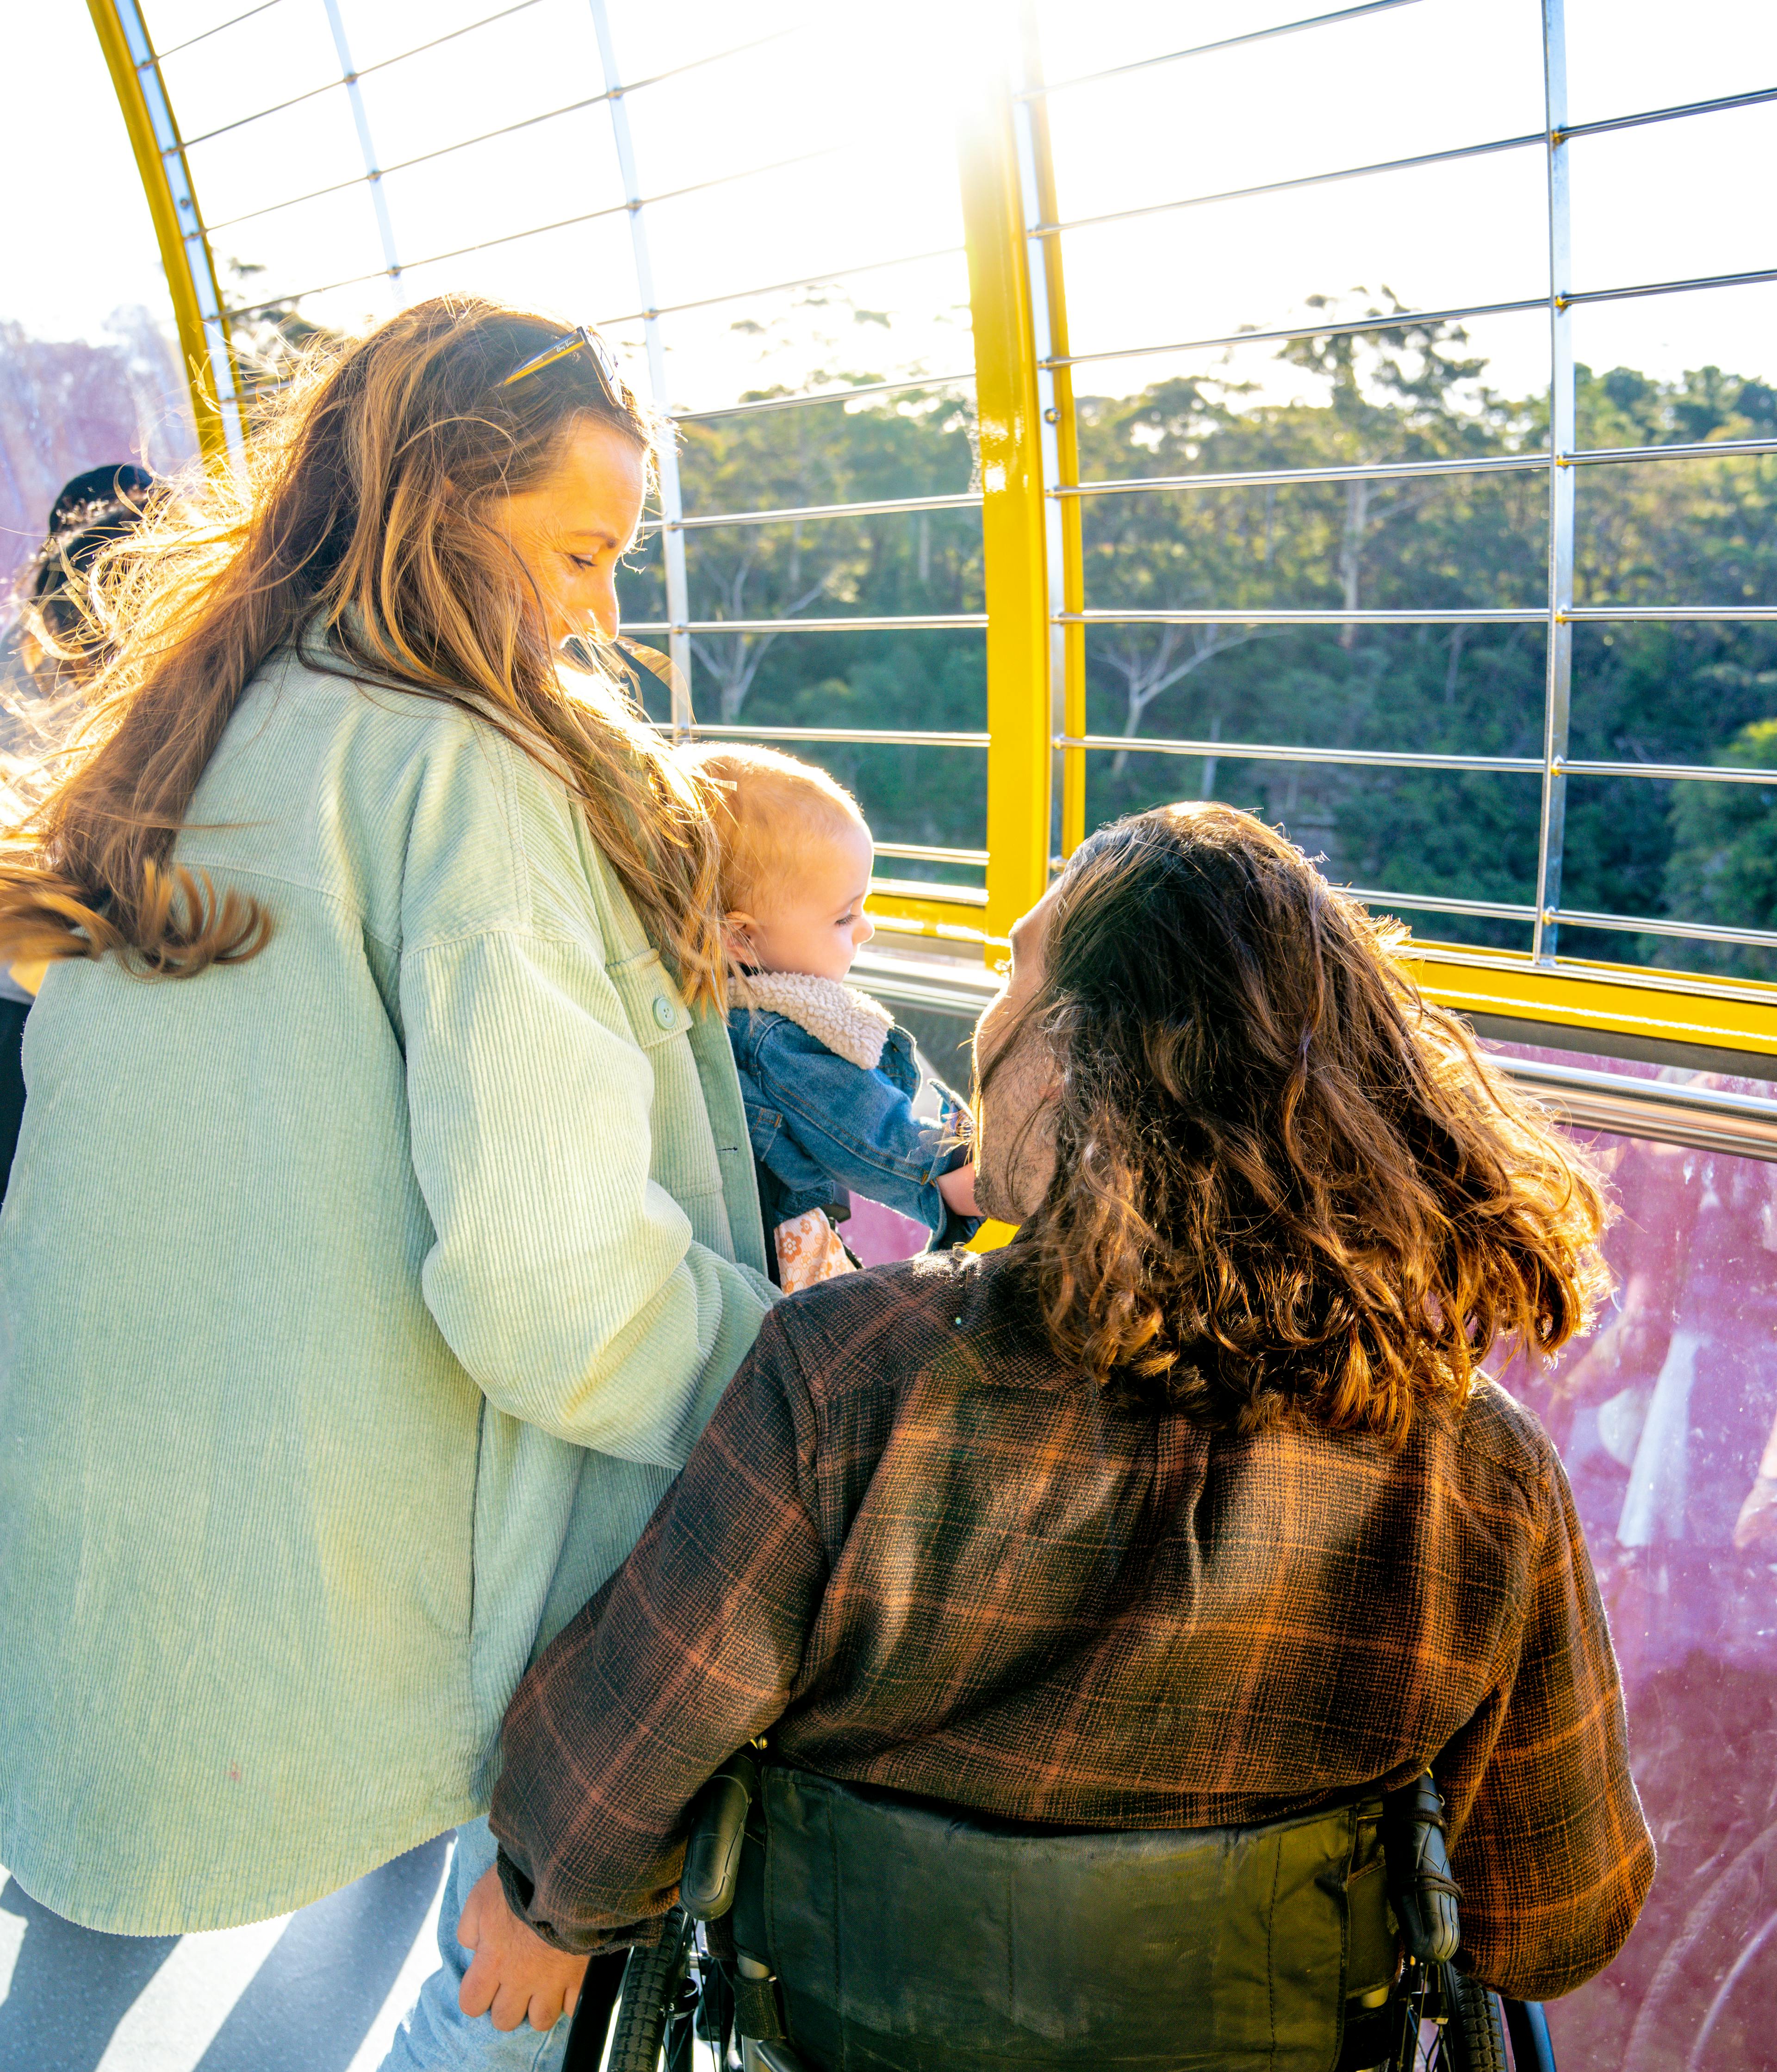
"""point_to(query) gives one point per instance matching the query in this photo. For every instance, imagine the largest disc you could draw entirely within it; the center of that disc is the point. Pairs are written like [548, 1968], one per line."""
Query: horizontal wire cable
[515, 237]
[628, 316]
[1537, 137]
[202, 35]
[413, 266]
[951, 620]
[1689, 931]
[1357, 471]
[966, 499]
[928, 888]
[822, 396]
[1491, 910]
[1756, 277]
[1230, 751]
[1450, 155]
[1356, 327]
[810, 280]
[862, 736]
[1249, 751]
[1667, 773]
[1716, 106]
[364, 71]
[508, 129]
[1605, 614]
[1343, 327]
[1203, 50]
[1696, 450]
[926, 853]
[1239, 615]
[1658, 614]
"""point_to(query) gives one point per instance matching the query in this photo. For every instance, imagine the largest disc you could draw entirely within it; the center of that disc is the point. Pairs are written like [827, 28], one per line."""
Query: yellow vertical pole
[1019, 722]
[179, 228]
[1066, 545]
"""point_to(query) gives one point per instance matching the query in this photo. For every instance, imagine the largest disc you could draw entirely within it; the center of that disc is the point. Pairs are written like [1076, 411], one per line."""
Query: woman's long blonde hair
[363, 519]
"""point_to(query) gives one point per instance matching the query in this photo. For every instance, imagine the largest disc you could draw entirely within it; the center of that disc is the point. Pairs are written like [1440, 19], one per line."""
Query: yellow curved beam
[1018, 717]
[179, 227]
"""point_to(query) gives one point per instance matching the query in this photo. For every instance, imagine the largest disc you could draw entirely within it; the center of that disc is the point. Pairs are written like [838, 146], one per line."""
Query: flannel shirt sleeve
[692, 1649]
[1552, 1853]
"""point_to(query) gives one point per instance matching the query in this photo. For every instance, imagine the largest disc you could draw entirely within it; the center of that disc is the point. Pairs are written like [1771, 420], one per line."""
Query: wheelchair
[821, 1924]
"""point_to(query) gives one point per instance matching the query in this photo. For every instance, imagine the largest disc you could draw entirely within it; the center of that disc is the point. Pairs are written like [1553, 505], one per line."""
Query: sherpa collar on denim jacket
[851, 1025]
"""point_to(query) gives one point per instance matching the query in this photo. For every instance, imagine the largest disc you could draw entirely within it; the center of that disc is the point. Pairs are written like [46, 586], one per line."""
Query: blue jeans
[437, 2035]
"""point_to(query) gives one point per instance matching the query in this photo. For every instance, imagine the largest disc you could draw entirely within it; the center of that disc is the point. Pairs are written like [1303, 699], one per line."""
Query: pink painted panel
[1666, 1421]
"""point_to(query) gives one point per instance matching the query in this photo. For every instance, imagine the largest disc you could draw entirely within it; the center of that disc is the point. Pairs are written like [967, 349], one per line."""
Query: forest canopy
[1687, 531]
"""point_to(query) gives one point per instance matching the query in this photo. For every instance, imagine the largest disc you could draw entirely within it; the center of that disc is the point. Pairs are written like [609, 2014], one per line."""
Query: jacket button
[663, 1011]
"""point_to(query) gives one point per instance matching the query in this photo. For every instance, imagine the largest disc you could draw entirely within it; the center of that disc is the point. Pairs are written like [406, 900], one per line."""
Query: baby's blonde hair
[766, 805]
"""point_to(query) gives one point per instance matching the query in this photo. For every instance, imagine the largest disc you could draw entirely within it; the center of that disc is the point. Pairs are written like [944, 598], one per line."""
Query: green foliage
[1723, 866]
[1695, 530]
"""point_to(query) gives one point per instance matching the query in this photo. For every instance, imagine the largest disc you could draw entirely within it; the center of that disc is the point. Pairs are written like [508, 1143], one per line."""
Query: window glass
[1648, 201]
[1625, 55]
[1667, 368]
[1666, 1420]
[1257, 112]
[248, 63]
[89, 367]
[1253, 264]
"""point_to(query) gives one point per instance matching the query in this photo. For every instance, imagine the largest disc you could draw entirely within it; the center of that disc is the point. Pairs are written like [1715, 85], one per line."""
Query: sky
[845, 130]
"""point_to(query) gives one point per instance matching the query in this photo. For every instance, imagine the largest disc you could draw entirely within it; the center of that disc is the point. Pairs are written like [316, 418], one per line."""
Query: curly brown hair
[1284, 1184]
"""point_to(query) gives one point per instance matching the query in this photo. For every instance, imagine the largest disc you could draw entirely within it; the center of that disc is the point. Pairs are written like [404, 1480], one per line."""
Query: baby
[830, 1081]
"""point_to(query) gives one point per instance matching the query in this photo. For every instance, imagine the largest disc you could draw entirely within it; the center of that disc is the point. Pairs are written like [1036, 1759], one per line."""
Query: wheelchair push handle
[712, 1850]
[1421, 1888]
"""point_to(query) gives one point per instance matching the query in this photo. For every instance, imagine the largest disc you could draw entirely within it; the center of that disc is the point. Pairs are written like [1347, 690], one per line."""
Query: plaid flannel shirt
[926, 1555]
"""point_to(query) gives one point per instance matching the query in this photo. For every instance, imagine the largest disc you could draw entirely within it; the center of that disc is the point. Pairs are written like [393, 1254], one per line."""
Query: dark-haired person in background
[1191, 1508]
[60, 645]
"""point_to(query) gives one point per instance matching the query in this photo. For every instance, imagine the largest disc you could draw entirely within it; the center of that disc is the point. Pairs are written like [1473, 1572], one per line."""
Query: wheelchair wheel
[653, 2027]
[1474, 2036]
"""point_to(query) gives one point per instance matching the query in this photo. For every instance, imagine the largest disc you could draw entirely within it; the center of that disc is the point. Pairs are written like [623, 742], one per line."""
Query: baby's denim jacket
[829, 1080]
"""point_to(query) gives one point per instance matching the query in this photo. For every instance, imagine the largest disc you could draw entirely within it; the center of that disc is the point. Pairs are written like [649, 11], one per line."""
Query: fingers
[470, 1923]
[515, 1977]
[511, 2005]
[480, 1983]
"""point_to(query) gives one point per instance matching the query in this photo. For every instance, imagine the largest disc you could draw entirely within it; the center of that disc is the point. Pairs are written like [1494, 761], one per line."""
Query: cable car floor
[318, 1991]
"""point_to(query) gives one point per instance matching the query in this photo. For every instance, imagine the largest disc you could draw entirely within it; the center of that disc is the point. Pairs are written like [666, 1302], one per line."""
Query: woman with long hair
[1192, 1508]
[383, 1230]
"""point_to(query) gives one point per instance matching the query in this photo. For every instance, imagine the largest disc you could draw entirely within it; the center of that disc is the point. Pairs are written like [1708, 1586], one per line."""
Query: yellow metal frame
[1066, 514]
[1615, 1001]
[1019, 720]
[175, 247]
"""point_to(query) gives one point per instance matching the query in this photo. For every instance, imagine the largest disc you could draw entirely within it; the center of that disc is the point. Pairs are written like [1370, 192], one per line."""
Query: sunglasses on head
[604, 364]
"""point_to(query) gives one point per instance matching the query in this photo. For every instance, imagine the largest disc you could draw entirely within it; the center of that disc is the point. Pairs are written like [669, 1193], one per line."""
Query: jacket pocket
[682, 1158]
[652, 1002]
[762, 1126]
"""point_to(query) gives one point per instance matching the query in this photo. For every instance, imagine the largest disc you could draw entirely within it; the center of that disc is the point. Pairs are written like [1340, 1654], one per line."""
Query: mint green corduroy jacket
[357, 1303]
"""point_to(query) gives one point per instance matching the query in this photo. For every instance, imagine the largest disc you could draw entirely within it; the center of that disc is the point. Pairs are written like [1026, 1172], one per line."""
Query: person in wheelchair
[1088, 1597]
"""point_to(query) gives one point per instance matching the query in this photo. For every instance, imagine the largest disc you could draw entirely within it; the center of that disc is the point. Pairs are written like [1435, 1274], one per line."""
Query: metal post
[1558, 690]
[179, 227]
[1014, 545]
[348, 71]
[1058, 435]
[678, 593]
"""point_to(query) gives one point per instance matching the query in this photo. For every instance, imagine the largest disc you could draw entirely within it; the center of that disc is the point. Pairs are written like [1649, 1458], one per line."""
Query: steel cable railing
[1533, 139]
[1204, 50]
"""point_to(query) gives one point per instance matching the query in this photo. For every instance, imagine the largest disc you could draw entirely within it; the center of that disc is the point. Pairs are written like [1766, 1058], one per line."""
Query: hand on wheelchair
[515, 1976]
